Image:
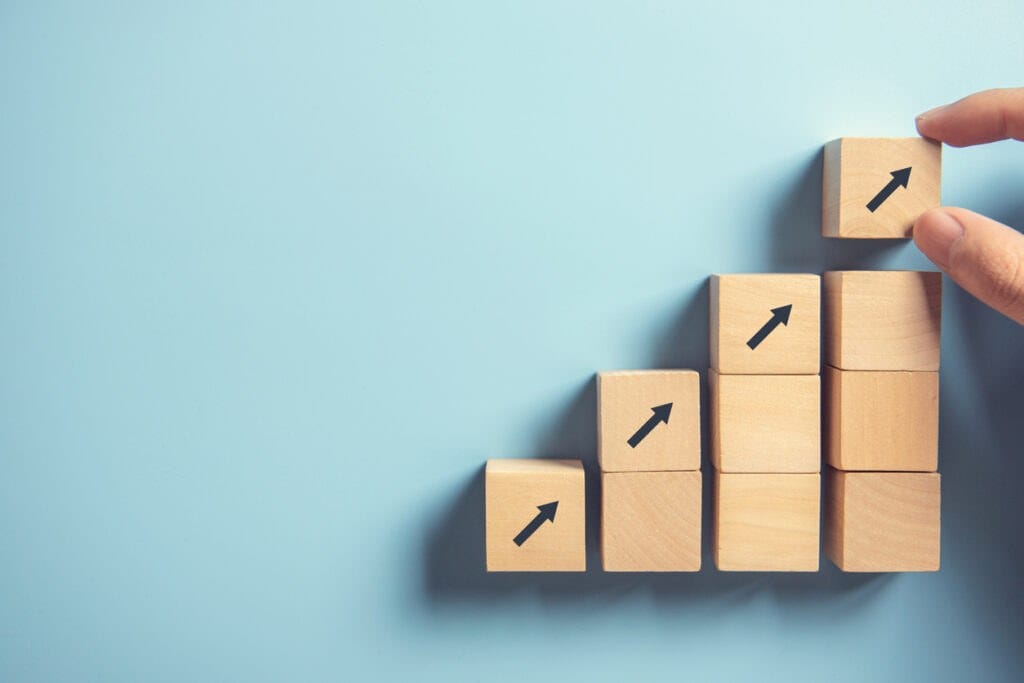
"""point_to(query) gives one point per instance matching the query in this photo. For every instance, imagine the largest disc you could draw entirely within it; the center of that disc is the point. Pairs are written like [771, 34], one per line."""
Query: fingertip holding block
[766, 522]
[882, 420]
[765, 423]
[883, 521]
[883, 320]
[765, 324]
[648, 420]
[651, 521]
[877, 187]
[535, 515]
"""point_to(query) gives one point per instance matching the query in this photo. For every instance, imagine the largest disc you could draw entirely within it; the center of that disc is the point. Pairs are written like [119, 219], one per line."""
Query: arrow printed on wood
[660, 415]
[900, 178]
[546, 514]
[780, 315]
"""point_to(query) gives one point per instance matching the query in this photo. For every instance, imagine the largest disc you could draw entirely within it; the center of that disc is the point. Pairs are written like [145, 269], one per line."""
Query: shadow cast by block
[796, 242]
[684, 342]
[980, 436]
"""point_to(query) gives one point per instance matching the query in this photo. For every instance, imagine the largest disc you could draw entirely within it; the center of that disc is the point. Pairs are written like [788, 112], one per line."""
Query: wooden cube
[882, 420]
[765, 423]
[648, 420]
[766, 522]
[877, 187]
[766, 324]
[883, 320]
[650, 521]
[536, 517]
[882, 521]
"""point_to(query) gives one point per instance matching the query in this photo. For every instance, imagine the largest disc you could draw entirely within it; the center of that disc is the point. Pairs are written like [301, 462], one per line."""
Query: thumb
[983, 256]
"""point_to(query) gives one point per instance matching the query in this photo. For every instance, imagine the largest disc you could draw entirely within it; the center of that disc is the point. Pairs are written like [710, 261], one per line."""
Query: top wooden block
[883, 320]
[877, 187]
[766, 324]
[648, 420]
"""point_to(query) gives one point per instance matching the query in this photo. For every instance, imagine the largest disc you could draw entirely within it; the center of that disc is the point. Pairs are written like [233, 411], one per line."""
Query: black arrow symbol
[779, 315]
[661, 414]
[899, 177]
[546, 514]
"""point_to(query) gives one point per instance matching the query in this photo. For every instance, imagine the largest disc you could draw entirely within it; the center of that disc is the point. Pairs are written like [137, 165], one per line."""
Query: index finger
[983, 117]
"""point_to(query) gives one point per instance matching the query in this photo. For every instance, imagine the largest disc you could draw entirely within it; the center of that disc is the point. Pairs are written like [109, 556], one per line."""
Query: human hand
[983, 256]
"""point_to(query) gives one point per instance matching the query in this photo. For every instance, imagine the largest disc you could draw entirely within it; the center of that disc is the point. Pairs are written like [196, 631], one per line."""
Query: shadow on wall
[982, 436]
[794, 232]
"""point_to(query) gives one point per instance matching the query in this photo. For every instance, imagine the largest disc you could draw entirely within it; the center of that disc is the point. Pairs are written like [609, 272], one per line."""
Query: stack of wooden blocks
[882, 511]
[766, 421]
[882, 420]
[765, 390]
[648, 448]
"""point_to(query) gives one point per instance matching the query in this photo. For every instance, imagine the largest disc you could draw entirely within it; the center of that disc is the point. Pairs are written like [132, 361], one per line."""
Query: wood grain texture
[742, 304]
[651, 521]
[830, 189]
[856, 169]
[883, 521]
[766, 522]
[882, 420]
[765, 423]
[883, 320]
[624, 403]
[514, 489]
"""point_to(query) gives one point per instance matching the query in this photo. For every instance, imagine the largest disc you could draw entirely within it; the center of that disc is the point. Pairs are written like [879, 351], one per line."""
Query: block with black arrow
[766, 323]
[875, 188]
[535, 515]
[648, 420]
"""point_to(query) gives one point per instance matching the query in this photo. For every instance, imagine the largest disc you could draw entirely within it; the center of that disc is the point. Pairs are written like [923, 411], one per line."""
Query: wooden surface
[883, 320]
[651, 521]
[742, 304]
[624, 404]
[856, 169]
[883, 521]
[766, 522]
[514, 489]
[882, 420]
[765, 423]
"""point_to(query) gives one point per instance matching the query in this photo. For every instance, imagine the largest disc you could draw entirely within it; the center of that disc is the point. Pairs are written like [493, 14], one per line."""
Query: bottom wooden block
[767, 522]
[650, 521]
[536, 516]
[883, 521]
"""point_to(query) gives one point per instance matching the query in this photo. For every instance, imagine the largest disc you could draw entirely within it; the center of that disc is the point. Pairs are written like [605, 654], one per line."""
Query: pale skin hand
[983, 256]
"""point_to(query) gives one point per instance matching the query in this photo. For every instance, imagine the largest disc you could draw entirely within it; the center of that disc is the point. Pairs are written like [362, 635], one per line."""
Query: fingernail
[931, 112]
[936, 235]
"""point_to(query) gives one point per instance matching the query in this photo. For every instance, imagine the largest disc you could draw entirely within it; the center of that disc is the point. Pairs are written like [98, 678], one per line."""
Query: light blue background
[275, 281]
